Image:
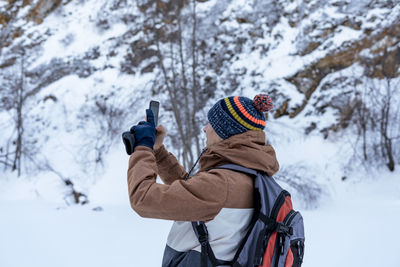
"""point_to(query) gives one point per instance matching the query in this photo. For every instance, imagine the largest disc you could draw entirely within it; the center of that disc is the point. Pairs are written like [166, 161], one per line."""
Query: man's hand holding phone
[144, 133]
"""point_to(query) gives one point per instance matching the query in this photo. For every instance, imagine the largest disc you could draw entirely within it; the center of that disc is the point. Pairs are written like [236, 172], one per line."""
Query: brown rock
[385, 63]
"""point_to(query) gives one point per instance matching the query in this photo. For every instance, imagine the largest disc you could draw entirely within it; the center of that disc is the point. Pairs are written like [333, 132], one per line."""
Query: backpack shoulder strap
[200, 229]
[238, 168]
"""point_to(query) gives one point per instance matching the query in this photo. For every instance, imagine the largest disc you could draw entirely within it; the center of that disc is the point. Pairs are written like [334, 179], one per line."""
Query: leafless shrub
[40, 164]
[301, 181]
[101, 120]
[72, 195]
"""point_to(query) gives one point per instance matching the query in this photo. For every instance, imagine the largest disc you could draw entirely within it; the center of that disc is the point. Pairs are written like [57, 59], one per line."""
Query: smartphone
[155, 106]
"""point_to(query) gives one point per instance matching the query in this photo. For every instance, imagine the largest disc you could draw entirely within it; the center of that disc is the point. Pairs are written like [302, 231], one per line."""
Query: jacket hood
[247, 149]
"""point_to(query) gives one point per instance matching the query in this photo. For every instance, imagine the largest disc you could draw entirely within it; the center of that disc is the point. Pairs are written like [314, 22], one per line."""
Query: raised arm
[169, 168]
[199, 198]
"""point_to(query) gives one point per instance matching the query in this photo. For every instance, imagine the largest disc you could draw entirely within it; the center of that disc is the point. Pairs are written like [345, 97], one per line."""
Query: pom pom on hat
[263, 103]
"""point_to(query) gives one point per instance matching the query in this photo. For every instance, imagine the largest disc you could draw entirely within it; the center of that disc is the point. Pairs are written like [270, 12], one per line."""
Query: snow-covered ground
[354, 225]
[358, 227]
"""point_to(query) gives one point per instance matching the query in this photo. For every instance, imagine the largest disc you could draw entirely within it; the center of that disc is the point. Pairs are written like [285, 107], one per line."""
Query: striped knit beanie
[237, 114]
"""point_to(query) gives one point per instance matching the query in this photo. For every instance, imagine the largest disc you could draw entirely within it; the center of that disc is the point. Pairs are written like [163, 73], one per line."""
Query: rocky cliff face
[309, 55]
[326, 36]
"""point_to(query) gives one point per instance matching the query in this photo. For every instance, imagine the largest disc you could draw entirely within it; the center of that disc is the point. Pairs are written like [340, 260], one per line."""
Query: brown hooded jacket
[201, 197]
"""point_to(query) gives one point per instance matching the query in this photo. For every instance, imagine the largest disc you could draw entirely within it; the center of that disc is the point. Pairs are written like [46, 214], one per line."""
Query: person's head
[211, 136]
[236, 115]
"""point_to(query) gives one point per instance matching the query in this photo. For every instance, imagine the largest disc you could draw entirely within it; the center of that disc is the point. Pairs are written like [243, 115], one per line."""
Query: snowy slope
[354, 224]
[88, 42]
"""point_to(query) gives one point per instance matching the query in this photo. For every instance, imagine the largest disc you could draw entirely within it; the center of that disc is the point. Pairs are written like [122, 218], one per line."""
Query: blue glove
[145, 131]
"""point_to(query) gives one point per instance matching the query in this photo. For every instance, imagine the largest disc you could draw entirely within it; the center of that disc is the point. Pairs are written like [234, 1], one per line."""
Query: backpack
[276, 232]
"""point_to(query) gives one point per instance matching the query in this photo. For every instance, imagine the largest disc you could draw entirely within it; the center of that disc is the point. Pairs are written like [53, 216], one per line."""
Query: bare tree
[14, 96]
[363, 116]
[383, 119]
[19, 124]
[377, 112]
[171, 28]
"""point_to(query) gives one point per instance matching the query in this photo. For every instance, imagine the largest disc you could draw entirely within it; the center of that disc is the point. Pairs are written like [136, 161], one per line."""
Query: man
[220, 197]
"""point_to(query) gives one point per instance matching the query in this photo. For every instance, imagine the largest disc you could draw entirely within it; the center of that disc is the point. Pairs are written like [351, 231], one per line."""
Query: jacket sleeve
[199, 198]
[169, 168]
